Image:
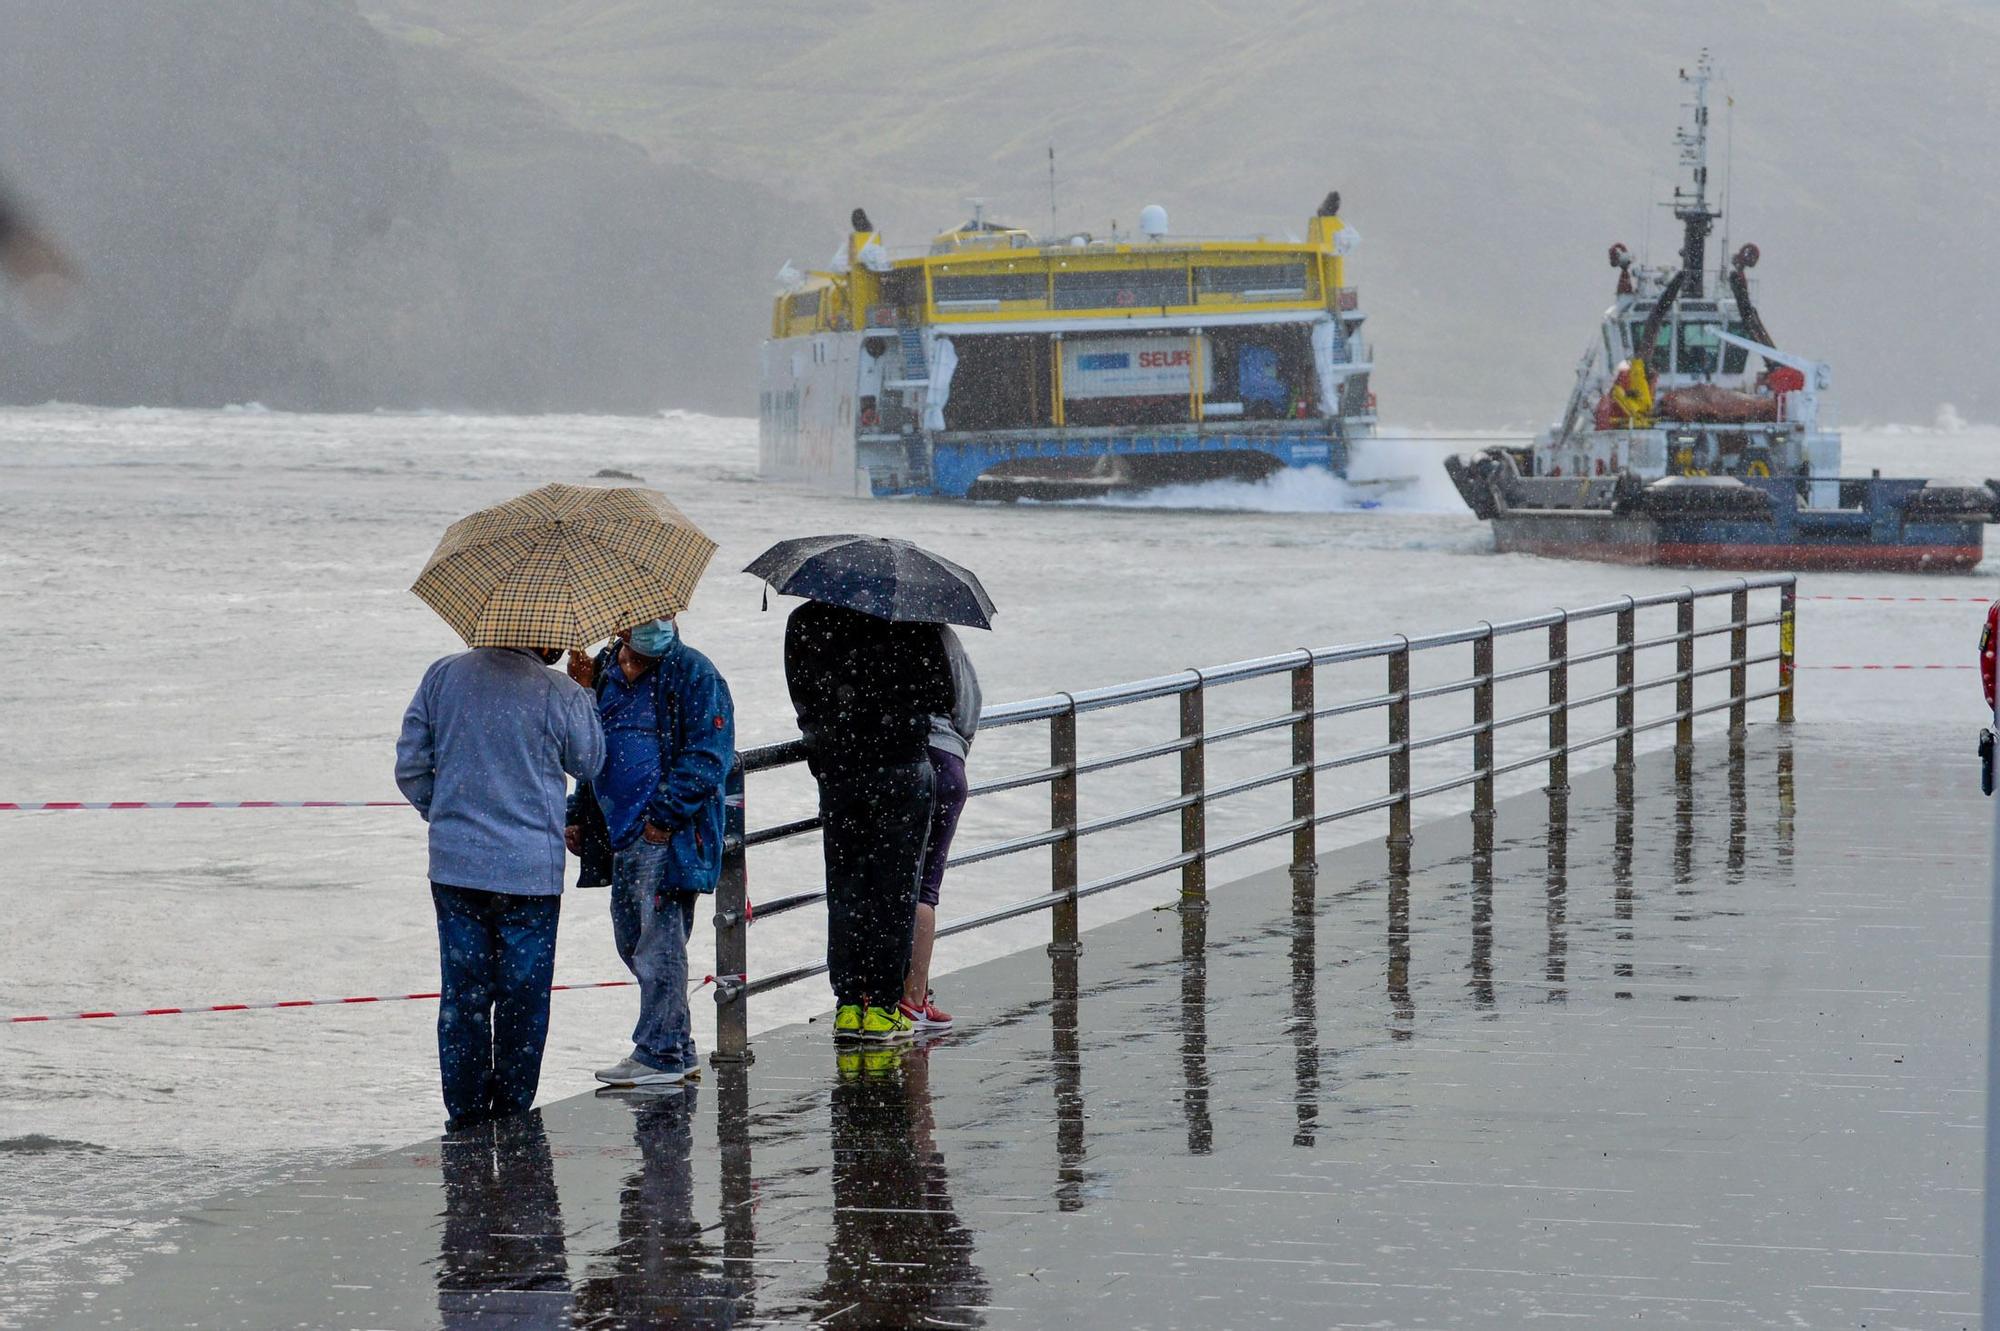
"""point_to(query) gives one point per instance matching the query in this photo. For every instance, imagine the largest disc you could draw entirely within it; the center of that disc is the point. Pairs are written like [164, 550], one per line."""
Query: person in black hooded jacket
[865, 690]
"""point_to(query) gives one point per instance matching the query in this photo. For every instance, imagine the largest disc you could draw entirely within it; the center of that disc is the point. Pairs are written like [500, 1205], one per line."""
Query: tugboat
[996, 364]
[1691, 439]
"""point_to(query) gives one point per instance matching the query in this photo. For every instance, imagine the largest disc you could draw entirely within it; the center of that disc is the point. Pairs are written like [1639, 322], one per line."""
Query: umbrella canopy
[879, 576]
[563, 566]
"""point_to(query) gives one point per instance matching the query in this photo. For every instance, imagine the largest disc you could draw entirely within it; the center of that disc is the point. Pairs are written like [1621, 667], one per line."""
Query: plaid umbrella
[563, 566]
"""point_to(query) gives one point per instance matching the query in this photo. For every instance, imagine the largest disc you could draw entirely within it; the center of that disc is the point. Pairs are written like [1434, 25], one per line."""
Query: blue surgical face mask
[653, 639]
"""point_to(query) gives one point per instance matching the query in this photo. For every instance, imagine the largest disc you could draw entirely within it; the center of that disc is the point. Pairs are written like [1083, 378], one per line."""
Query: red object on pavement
[1987, 647]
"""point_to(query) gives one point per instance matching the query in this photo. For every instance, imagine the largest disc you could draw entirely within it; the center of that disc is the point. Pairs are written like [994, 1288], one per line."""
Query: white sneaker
[631, 1072]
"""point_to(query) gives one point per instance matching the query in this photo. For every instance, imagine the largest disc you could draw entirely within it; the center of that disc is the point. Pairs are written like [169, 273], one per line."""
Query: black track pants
[877, 823]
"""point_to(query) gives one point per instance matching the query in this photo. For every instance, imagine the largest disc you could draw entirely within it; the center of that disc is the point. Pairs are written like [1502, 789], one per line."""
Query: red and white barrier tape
[1963, 600]
[47, 806]
[703, 982]
[1885, 667]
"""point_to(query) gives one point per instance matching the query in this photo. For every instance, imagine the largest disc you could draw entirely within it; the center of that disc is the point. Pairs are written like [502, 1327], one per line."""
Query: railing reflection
[1556, 893]
[1305, 1011]
[1623, 896]
[1402, 1007]
[1194, 1031]
[1481, 981]
[1066, 1056]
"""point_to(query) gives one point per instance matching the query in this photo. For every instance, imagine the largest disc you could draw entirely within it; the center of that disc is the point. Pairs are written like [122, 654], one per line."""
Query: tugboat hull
[1731, 522]
[1607, 538]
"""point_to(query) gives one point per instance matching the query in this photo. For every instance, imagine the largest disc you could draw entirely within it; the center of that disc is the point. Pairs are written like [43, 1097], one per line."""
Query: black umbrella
[879, 576]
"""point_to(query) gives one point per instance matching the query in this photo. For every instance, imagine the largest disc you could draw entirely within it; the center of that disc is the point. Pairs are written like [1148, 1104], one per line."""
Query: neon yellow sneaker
[884, 1024]
[847, 1022]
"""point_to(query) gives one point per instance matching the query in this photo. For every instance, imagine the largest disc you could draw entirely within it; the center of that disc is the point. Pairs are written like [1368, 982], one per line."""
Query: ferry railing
[1398, 704]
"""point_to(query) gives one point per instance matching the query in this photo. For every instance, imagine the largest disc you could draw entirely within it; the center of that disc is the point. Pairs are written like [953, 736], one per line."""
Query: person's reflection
[501, 1261]
[899, 1256]
[659, 1273]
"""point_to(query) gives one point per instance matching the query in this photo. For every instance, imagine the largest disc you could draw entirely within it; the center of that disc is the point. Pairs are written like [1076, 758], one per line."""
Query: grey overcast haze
[516, 205]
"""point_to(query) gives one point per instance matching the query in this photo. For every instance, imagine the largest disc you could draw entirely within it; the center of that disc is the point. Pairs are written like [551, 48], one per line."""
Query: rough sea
[215, 605]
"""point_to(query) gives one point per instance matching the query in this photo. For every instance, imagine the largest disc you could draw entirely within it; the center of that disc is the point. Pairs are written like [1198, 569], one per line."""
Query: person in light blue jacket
[486, 743]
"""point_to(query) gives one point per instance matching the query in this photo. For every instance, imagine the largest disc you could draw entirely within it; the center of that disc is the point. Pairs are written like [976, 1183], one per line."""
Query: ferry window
[989, 286]
[1699, 348]
[1121, 289]
[805, 305]
[1266, 279]
[1734, 358]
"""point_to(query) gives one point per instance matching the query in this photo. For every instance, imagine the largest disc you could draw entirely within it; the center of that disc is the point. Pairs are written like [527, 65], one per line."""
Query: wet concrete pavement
[1712, 1057]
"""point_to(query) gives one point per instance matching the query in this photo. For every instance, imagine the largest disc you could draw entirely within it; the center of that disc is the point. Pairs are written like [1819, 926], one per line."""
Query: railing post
[1627, 620]
[1062, 817]
[1684, 667]
[1305, 840]
[1194, 787]
[732, 931]
[1788, 604]
[1739, 652]
[1559, 702]
[1399, 736]
[1482, 717]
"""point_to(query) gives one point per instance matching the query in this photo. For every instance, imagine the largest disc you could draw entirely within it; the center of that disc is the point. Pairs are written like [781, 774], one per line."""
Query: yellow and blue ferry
[995, 363]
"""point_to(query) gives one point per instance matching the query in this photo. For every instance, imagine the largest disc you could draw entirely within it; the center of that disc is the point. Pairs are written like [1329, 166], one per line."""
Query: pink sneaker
[929, 1017]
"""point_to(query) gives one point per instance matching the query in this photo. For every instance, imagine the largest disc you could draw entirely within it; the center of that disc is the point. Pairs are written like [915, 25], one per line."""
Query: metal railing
[1066, 831]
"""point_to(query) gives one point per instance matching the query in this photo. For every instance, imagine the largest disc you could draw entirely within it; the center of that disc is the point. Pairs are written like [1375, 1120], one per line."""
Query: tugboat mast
[1691, 202]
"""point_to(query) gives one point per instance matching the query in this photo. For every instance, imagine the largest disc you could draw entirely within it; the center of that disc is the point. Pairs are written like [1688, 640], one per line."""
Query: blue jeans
[497, 952]
[650, 922]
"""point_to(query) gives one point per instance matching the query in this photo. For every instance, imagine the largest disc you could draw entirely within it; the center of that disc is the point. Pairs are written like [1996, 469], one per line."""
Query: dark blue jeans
[497, 952]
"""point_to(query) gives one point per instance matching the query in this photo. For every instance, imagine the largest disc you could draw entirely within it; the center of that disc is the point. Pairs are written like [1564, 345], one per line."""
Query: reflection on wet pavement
[1696, 1044]
[501, 1260]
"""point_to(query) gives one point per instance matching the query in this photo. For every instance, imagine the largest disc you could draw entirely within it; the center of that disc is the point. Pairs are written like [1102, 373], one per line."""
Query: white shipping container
[1098, 367]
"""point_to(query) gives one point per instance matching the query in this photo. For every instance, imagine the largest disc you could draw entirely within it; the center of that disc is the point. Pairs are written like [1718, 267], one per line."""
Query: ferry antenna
[1055, 228]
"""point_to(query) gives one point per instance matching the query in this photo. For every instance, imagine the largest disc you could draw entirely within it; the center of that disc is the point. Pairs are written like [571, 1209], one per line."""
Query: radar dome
[1152, 221]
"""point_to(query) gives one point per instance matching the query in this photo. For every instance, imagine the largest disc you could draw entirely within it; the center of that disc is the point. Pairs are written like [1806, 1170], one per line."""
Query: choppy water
[214, 605]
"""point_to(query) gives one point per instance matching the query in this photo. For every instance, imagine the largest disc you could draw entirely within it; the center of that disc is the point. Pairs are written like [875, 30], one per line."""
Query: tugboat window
[1699, 349]
[1734, 358]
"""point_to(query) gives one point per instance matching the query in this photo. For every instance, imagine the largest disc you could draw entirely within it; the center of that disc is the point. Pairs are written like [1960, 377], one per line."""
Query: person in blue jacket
[656, 815]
